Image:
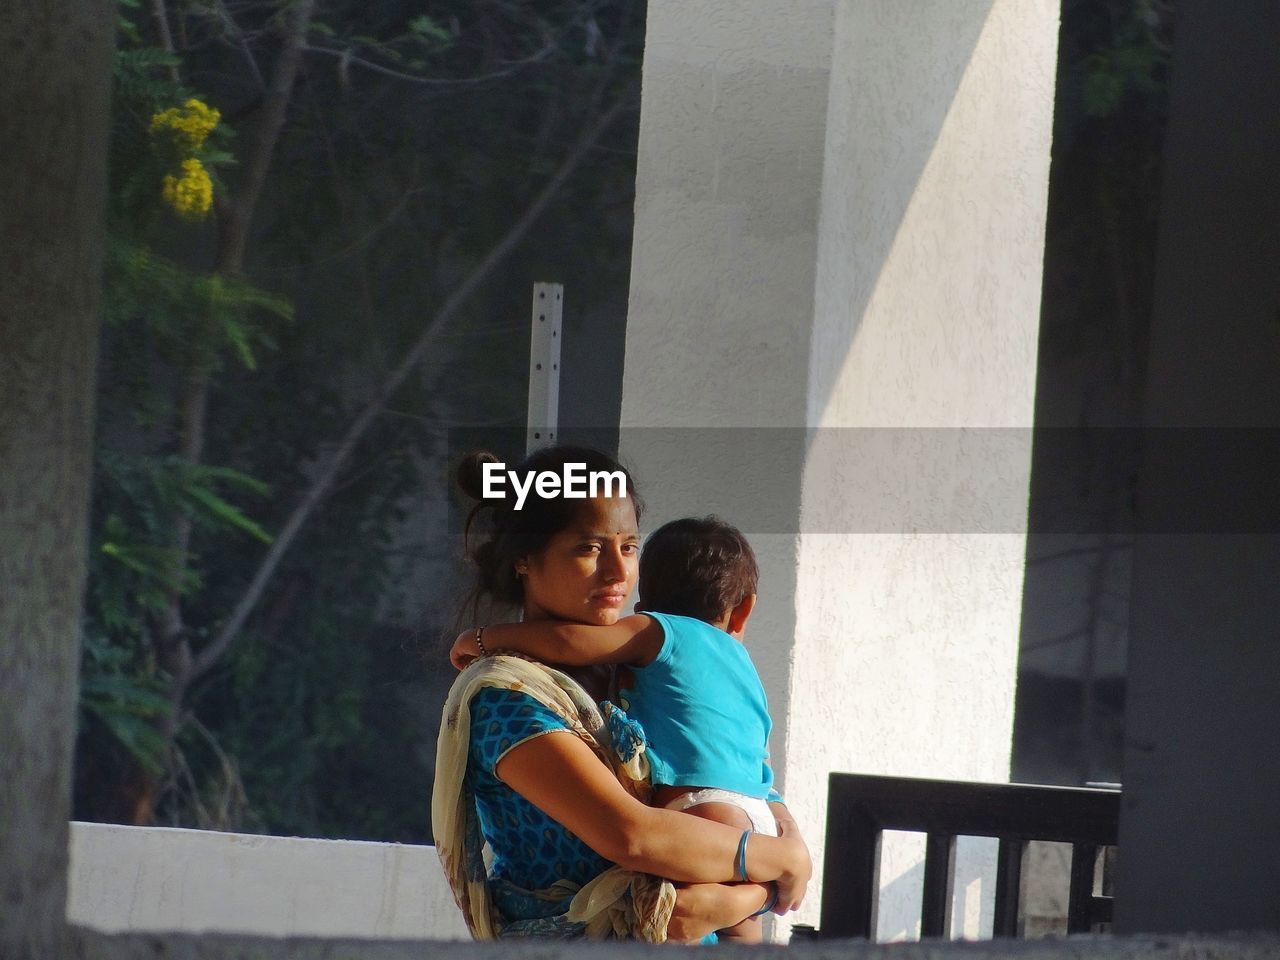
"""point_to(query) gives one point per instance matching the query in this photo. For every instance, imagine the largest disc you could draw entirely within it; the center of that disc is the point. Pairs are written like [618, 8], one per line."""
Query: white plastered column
[840, 224]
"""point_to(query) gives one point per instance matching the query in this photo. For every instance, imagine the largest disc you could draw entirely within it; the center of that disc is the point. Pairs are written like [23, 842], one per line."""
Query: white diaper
[762, 819]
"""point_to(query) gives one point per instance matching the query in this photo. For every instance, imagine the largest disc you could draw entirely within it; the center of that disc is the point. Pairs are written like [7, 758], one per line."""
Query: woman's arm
[634, 640]
[560, 775]
[703, 908]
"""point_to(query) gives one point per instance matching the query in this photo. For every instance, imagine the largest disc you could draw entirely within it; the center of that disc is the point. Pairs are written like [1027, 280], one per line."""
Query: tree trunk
[235, 220]
[55, 77]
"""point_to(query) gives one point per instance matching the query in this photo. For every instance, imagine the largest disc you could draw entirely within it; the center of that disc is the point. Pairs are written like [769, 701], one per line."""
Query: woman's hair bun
[470, 472]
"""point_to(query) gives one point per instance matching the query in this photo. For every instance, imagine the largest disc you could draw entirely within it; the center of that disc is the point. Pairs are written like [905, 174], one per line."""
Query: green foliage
[423, 26]
[134, 574]
[1103, 204]
[166, 320]
[1133, 63]
[134, 569]
[136, 71]
[411, 144]
[192, 317]
[148, 494]
[127, 703]
[1114, 57]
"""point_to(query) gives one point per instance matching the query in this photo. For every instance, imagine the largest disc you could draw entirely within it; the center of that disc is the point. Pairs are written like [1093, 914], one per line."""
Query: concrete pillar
[839, 226]
[926, 321]
[1199, 835]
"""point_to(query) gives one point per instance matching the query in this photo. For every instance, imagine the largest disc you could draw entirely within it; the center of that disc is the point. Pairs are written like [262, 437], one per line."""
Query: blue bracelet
[770, 903]
[742, 857]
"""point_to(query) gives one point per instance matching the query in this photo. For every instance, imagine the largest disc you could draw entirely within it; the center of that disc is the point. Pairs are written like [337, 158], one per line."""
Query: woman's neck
[597, 681]
[532, 611]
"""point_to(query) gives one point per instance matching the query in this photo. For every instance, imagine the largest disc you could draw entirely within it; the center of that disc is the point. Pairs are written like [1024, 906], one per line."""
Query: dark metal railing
[860, 808]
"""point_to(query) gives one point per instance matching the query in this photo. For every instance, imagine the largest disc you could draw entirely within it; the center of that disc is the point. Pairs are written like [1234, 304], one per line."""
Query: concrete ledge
[92, 946]
[155, 879]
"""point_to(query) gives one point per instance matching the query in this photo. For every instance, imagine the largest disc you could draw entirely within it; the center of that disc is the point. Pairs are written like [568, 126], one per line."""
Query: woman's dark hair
[507, 534]
[696, 568]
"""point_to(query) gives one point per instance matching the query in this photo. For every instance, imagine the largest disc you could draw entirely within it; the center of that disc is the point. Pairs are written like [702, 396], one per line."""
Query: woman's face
[586, 571]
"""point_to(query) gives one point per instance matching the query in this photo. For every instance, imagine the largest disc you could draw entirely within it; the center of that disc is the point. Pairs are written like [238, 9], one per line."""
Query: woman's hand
[788, 829]
[703, 908]
[794, 881]
[464, 650]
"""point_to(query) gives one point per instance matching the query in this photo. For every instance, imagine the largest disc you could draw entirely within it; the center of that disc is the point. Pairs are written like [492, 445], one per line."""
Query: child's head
[701, 568]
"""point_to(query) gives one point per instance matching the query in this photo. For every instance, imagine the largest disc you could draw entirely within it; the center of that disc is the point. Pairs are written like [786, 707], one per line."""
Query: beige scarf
[621, 904]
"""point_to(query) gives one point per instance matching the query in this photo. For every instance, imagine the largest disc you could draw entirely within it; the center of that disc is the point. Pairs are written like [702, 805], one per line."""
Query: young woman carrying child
[689, 683]
[527, 767]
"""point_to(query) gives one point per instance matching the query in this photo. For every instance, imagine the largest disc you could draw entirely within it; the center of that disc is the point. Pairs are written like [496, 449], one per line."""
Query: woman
[526, 763]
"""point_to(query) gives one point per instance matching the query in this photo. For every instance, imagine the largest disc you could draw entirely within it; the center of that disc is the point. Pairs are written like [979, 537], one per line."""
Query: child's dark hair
[508, 534]
[696, 568]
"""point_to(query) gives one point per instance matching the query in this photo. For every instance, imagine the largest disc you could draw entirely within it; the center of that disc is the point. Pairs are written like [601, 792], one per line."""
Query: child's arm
[634, 640]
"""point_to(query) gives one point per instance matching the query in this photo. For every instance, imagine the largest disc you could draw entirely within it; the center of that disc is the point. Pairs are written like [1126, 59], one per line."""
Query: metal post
[544, 366]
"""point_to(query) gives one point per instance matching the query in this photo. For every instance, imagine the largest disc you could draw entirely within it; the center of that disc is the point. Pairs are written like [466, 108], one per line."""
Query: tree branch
[346, 57]
[275, 105]
[324, 482]
[161, 17]
[229, 24]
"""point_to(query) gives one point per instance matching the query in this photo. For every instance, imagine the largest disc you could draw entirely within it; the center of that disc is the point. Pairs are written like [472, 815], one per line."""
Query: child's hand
[464, 650]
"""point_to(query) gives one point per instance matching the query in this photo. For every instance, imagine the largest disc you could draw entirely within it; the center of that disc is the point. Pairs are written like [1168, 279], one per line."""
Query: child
[691, 684]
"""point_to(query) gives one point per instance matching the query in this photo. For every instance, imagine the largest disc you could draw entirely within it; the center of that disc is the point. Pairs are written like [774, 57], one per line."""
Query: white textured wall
[926, 315]
[932, 227]
[154, 879]
[896, 284]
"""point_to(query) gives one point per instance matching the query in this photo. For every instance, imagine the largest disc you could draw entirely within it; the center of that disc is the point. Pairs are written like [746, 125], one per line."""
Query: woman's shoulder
[494, 703]
[502, 719]
[497, 696]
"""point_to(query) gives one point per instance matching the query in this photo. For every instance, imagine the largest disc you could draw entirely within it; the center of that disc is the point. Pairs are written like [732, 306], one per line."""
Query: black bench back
[860, 808]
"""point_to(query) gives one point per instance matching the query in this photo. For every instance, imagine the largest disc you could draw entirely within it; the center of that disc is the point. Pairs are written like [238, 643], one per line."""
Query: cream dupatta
[621, 904]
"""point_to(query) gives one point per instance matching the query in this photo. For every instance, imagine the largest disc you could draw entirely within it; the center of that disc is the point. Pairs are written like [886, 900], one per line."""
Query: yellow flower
[188, 125]
[190, 195]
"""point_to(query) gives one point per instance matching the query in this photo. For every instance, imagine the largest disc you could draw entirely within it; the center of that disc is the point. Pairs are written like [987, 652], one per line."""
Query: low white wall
[156, 879]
